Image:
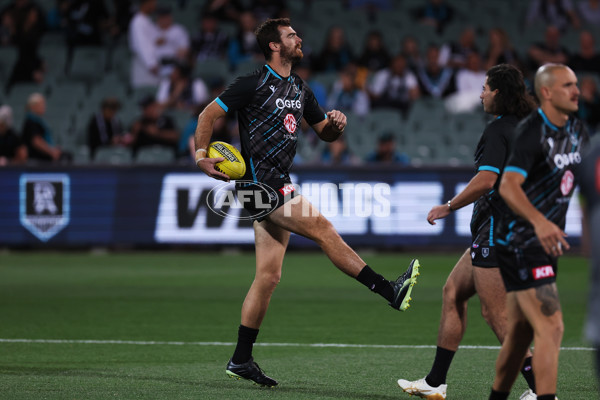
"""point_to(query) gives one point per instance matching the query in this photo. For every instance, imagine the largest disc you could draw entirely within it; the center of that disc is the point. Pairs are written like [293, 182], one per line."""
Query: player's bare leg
[541, 307]
[270, 242]
[492, 296]
[298, 215]
[459, 288]
[519, 335]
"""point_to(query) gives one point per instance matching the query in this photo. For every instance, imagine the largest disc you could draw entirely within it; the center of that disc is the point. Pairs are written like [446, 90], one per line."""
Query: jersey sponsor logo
[287, 189]
[543, 272]
[290, 123]
[44, 203]
[566, 183]
[273, 88]
[294, 104]
[562, 160]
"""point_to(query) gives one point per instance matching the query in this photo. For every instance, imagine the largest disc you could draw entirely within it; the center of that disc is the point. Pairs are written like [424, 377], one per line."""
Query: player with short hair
[537, 184]
[271, 103]
[504, 95]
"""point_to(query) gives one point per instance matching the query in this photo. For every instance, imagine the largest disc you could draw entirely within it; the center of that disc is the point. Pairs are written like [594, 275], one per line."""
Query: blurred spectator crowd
[123, 81]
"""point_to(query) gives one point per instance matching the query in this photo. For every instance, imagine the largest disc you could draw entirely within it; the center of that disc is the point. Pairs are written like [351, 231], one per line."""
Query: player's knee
[450, 292]
[270, 280]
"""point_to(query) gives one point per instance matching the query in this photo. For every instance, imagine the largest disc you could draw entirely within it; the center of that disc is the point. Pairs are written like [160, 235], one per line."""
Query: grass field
[162, 326]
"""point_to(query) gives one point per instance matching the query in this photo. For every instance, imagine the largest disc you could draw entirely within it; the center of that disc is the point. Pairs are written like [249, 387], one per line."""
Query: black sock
[547, 397]
[376, 283]
[498, 395]
[527, 373]
[441, 365]
[243, 350]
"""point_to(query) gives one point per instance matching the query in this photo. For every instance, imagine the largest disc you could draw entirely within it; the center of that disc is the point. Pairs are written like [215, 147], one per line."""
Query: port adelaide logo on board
[44, 203]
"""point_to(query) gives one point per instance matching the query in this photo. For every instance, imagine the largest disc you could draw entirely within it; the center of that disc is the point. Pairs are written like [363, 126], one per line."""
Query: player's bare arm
[551, 237]
[479, 185]
[206, 121]
[332, 127]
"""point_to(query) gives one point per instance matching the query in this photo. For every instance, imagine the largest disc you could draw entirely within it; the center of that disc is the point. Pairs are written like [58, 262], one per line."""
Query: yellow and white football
[233, 165]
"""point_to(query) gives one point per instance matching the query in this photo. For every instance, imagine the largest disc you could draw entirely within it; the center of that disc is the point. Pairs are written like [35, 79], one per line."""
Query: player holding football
[271, 103]
[505, 97]
[537, 184]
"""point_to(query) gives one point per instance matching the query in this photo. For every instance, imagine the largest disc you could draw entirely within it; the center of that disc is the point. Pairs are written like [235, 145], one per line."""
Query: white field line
[322, 345]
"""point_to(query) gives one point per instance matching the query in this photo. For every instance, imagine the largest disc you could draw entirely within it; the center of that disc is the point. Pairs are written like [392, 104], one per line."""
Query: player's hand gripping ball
[233, 165]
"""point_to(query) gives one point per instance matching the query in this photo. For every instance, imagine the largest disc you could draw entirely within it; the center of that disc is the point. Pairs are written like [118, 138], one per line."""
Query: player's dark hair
[513, 97]
[268, 32]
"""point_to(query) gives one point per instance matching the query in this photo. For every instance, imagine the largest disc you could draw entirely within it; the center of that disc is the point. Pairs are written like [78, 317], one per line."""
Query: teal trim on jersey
[273, 72]
[499, 116]
[502, 242]
[223, 106]
[546, 120]
[489, 168]
[253, 171]
[521, 171]
[491, 242]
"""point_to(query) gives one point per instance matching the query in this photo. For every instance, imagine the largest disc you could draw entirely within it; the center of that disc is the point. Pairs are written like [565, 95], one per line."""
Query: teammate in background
[537, 183]
[271, 103]
[590, 190]
[505, 97]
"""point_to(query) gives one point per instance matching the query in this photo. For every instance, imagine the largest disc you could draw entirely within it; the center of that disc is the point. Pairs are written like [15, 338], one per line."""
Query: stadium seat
[8, 55]
[210, 69]
[155, 155]
[113, 155]
[88, 63]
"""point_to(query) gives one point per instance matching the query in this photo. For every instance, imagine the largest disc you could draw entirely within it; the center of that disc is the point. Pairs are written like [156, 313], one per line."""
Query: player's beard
[292, 55]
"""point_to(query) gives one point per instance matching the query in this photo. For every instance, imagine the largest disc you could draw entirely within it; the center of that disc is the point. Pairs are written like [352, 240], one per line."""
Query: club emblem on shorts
[44, 203]
[290, 123]
[523, 274]
[485, 251]
[566, 184]
[542, 272]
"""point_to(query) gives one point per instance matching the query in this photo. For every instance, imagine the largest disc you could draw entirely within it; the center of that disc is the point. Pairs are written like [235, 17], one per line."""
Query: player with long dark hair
[504, 96]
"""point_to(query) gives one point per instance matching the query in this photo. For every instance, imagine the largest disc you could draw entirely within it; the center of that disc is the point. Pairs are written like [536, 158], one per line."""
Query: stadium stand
[428, 131]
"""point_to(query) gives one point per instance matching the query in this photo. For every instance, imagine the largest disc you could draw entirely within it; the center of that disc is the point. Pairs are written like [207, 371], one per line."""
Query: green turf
[195, 297]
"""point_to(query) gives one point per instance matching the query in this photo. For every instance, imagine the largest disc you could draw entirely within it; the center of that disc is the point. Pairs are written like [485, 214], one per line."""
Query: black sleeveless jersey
[547, 156]
[491, 154]
[270, 109]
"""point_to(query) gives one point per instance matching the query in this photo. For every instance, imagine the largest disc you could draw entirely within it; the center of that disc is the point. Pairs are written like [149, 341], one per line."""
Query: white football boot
[529, 395]
[422, 389]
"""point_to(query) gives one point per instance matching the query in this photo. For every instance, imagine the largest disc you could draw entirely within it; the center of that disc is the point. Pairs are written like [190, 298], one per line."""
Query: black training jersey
[589, 178]
[547, 156]
[270, 110]
[491, 154]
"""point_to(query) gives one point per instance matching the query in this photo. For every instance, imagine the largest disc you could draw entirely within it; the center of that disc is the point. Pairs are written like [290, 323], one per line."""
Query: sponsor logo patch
[287, 189]
[542, 272]
[290, 123]
[566, 184]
